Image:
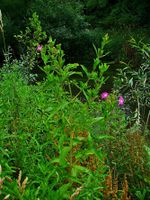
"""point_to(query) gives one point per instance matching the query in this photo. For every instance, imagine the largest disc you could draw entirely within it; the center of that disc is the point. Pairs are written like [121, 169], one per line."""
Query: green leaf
[97, 119]
[101, 137]
[71, 66]
[85, 70]
[96, 63]
[77, 169]
[63, 190]
[55, 160]
[63, 154]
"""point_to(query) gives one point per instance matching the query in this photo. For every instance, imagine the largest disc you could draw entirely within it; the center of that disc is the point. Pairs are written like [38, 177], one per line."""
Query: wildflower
[39, 48]
[121, 101]
[104, 95]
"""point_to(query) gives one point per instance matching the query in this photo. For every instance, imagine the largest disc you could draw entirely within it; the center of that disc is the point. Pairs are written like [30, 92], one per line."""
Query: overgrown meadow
[61, 135]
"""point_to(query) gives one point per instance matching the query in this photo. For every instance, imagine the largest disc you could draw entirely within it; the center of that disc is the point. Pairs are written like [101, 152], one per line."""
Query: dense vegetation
[62, 136]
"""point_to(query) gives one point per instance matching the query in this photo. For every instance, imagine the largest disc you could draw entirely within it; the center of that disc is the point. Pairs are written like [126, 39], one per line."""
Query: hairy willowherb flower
[39, 48]
[104, 95]
[121, 101]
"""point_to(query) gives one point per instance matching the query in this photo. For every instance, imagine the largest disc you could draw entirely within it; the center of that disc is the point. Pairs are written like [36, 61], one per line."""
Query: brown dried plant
[124, 195]
[2, 182]
[127, 155]
[76, 193]
[22, 185]
[112, 191]
[108, 182]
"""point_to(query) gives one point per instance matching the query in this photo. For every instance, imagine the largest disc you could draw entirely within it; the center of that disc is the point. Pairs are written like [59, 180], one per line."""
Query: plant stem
[4, 41]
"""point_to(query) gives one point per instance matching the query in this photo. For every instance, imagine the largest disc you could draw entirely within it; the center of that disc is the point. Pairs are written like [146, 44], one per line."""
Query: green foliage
[135, 85]
[41, 135]
[96, 3]
[65, 21]
[14, 13]
[29, 41]
[46, 132]
[78, 24]
[52, 144]
[55, 11]
[120, 13]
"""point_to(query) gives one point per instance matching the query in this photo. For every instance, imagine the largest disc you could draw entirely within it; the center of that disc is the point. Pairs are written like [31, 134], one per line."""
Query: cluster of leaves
[120, 13]
[14, 13]
[135, 85]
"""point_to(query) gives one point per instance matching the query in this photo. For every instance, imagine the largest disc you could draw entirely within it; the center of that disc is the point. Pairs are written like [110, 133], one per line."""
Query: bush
[135, 86]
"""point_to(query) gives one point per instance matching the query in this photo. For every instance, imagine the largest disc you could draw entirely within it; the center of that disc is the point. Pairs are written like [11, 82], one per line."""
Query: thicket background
[77, 24]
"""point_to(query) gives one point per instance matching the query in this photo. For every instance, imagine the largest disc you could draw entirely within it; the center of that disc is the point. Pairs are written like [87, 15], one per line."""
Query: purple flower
[104, 95]
[39, 48]
[121, 101]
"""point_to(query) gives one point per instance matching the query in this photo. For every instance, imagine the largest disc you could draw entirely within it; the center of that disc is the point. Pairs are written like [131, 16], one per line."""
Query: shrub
[135, 86]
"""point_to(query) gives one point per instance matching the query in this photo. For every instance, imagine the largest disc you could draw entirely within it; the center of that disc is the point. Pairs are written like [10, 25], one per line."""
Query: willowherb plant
[46, 55]
[46, 127]
[30, 41]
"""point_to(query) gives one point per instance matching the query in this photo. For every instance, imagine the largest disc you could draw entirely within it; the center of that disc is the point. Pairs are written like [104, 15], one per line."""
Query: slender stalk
[4, 41]
[148, 117]
[76, 95]
[138, 111]
[70, 90]
[2, 31]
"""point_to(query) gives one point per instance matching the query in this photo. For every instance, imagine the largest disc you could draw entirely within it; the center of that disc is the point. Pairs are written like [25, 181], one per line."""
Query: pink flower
[39, 48]
[104, 95]
[121, 101]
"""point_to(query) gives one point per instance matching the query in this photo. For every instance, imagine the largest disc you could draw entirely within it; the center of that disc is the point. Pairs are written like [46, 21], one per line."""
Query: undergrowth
[55, 146]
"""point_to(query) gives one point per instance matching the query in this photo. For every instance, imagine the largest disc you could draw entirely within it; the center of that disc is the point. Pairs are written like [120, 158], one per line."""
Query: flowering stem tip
[104, 95]
[121, 101]
[39, 48]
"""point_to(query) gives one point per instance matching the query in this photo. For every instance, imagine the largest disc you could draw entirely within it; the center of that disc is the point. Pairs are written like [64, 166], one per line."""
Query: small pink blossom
[39, 48]
[121, 101]
[104, 95]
